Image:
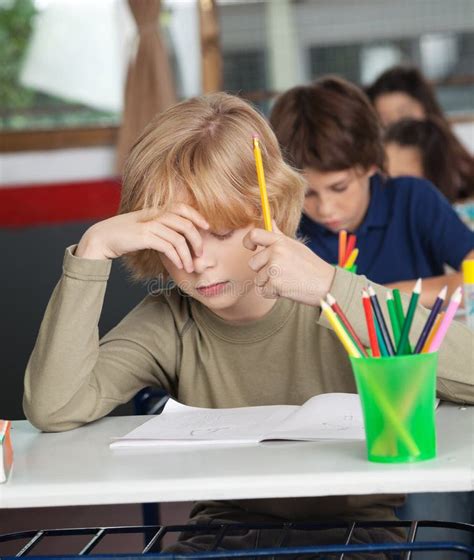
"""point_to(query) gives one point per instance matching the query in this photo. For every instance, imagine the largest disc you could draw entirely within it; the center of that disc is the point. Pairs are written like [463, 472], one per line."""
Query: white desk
[78, 468]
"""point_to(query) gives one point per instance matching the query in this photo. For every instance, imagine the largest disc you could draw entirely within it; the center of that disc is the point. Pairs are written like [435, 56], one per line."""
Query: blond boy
[243, 326]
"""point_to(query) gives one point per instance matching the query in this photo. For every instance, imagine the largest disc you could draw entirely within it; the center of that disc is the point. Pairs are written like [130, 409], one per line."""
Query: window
[23, 106]
[357, 40]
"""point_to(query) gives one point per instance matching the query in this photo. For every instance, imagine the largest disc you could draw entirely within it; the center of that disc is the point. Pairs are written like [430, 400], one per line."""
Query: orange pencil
[342, 247]
[434, 329]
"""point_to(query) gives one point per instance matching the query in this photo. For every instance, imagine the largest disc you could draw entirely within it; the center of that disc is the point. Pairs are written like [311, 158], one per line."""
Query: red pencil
[351, 241]
[345, 321]
[342, 247]
[374, 345]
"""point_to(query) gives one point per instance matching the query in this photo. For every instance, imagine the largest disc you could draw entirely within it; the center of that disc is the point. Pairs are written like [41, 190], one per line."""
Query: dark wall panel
[31, 261]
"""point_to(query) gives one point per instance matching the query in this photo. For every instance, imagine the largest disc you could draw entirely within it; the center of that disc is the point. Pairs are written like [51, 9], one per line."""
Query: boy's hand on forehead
[174, 233]
[286, 268]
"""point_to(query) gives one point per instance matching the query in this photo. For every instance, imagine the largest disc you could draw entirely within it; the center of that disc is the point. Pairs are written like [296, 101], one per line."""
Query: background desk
[78, 467]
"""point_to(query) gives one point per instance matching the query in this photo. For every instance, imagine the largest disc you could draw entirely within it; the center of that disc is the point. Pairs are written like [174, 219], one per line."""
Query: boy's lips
[212, 289]
[333, 224]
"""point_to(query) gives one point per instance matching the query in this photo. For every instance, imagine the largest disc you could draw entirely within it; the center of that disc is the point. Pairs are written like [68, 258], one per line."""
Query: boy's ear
[372, 170]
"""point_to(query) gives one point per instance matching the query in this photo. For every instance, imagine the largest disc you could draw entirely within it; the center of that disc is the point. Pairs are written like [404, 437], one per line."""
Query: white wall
[55, 166]
[465, 132]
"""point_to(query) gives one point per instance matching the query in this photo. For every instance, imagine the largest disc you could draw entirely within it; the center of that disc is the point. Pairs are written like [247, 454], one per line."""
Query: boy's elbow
[456, 392]
[46, 421]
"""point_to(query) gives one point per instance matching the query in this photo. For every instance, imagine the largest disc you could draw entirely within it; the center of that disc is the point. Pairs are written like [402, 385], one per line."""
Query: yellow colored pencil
[351, 259]
[347, 342]
[267, 217]
[434, 329]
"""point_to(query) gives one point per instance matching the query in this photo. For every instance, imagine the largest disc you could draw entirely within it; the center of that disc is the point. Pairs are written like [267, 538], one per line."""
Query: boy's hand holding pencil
[287, 268]
[284, 266]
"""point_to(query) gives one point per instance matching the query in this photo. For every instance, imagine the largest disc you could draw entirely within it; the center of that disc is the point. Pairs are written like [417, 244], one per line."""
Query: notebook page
[327, 416]
[181, 424]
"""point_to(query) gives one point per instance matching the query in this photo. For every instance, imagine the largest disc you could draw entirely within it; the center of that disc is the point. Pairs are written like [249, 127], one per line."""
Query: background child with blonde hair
[242, 327]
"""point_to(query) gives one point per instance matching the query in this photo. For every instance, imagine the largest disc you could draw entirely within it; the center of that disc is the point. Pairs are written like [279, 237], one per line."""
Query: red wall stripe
[58, 203]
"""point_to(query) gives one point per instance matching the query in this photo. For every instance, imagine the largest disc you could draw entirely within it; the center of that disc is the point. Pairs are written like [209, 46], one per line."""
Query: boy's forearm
[431, 287]
[66, 349]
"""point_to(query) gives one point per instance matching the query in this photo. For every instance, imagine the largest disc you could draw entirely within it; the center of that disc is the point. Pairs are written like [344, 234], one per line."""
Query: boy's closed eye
[336, 187]
[341, 187]
[221, 235]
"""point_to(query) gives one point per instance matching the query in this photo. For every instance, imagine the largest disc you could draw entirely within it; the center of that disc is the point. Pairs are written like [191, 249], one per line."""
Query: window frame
[55, 139]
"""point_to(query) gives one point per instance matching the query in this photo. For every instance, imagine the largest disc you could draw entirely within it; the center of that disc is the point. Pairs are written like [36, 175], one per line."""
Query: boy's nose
[205, 261]
[325, 208]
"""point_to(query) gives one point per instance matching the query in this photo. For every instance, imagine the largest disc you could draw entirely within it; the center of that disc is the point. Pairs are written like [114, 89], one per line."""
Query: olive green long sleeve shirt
[174, 342]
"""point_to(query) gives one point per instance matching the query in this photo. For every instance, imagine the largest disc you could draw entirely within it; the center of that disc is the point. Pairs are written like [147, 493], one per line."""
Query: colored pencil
[383, 349]
[342, 247]
[434, 330]
[267, 216]
[345, 321]
[347, 342]
[374, 345]
[393, 318]
[381, 321]
[352, 258]
[431, 319]
[397, 300]
[447, 319]
[415, 296]
[351, 241]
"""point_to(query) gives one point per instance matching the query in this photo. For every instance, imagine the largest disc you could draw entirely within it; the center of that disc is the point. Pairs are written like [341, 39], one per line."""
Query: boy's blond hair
[204, 146]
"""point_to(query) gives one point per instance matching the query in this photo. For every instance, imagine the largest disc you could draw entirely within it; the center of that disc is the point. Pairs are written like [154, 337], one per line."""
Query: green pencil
[393, 319]
[397, 300]
[402, 344]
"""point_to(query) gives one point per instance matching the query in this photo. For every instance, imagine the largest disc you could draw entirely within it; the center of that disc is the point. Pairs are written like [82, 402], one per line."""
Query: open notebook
[327, 416]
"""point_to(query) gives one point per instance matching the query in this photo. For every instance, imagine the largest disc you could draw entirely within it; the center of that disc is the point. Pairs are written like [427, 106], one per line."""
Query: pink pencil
[448, 317]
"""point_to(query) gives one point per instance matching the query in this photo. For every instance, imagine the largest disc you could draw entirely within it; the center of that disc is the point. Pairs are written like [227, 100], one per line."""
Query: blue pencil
[430, 321]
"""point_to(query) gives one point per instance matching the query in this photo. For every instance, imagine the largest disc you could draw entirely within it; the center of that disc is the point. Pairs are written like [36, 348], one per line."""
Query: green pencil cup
[398, 404]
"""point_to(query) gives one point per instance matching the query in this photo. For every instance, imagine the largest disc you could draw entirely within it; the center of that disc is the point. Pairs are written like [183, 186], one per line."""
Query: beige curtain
[211, 65]
[149, 87]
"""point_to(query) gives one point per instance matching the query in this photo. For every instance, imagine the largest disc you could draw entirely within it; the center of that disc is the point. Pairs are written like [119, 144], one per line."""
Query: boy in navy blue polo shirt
[405, 228]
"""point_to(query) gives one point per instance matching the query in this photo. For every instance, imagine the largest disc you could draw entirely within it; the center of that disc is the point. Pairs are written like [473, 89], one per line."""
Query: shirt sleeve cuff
[85, 269]
[346, 288]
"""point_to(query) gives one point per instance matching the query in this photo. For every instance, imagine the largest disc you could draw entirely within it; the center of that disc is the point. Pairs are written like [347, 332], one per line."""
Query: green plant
[16, 19]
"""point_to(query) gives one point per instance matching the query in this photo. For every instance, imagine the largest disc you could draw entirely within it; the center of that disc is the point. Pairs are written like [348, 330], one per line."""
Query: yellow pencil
[352, 257]
[350, 347]
[434, 329]
[267, 217]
